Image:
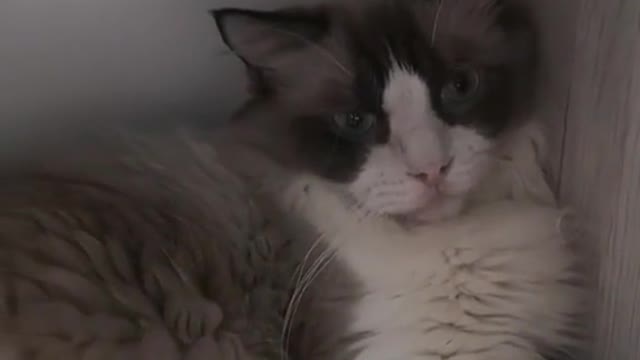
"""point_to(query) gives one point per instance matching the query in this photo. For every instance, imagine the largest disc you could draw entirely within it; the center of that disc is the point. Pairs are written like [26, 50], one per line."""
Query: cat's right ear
[262, 38]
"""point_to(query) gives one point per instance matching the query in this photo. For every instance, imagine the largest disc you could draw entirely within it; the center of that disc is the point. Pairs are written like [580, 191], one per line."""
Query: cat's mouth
[411, 198]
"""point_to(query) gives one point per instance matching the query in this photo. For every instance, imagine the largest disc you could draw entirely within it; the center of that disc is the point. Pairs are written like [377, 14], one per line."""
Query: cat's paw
[190, 317]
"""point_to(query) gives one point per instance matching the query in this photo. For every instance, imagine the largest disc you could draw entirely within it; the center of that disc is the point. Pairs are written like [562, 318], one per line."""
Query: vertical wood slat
[557, 23]
[600, 175]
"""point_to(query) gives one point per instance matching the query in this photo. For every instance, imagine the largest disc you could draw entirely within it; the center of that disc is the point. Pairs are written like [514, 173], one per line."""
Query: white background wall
[94, 60]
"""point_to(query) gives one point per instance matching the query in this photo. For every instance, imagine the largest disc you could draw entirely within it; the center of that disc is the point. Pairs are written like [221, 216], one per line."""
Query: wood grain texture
[557, 24]
[600, 163]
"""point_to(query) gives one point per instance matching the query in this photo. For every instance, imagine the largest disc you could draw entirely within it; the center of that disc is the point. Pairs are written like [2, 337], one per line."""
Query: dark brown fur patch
[314, 63]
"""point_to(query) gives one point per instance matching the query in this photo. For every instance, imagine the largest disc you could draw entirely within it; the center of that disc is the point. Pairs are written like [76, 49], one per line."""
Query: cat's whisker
[304, 281]
[301, 287]
[294, 297]
[307, 256]
[318, 266]
[328, 257]
[436, 22]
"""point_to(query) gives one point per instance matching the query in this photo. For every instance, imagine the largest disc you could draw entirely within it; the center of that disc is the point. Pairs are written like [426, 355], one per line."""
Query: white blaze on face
[415, 128]
[419, 143]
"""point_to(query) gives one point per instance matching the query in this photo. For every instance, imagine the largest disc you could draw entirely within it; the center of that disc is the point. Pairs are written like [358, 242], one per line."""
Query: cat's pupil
[354, 121]
[461, 84]
[353, 125]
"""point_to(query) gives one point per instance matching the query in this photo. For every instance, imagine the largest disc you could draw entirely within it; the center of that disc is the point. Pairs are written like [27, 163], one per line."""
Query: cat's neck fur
[424, 277]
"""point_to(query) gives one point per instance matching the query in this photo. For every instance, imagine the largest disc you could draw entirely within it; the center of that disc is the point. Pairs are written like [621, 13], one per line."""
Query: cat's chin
[441, 209]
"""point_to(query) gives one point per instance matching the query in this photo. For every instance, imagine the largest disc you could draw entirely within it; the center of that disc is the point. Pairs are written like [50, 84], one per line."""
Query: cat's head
[400, 102]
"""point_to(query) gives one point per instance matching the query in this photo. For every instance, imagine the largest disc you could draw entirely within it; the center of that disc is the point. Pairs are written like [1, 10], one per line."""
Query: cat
[376, 198]
[394, 115]
[143, 246]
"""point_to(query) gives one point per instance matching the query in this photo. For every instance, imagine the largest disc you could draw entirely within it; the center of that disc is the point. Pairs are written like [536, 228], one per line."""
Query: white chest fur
[493, 284]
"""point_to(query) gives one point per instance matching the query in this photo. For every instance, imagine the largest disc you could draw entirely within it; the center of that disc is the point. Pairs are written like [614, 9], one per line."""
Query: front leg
[187, 313]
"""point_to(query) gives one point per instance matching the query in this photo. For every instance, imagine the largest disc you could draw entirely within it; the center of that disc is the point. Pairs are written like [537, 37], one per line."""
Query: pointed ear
[259, 38]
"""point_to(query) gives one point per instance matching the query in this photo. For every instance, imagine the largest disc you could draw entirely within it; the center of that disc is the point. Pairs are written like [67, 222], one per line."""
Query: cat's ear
[516, 20]
[260, 38]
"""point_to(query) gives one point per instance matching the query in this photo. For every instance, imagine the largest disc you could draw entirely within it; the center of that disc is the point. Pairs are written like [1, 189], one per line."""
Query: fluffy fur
[148, 248]
[376, 199]
[397, 119]
[498, 282]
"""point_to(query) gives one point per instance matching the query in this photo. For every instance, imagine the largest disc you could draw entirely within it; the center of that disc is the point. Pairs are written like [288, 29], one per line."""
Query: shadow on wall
[69, 60]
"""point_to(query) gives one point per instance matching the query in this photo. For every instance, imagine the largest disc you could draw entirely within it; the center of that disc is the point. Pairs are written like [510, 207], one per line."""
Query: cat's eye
[462, 90]
[353, 125]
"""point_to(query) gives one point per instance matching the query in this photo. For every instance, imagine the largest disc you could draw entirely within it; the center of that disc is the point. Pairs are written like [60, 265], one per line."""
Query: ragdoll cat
[394, 113]
[374, 170]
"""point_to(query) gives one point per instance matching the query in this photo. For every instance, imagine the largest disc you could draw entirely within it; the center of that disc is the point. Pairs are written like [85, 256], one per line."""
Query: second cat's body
[147, 247]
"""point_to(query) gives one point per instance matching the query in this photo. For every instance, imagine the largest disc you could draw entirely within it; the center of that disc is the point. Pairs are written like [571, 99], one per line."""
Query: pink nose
[432, 175]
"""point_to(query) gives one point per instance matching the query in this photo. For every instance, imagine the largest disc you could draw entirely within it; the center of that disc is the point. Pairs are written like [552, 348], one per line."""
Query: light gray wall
[93, 60]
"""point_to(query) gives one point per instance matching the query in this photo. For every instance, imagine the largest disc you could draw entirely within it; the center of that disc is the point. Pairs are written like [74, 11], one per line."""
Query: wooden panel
[557, 22]
[600, 172]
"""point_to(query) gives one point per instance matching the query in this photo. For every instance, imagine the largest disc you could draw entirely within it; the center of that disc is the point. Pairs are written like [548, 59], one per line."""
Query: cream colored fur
[495, 283]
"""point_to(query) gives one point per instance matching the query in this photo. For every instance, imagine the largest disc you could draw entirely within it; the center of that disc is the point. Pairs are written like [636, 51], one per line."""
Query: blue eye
[353, 124]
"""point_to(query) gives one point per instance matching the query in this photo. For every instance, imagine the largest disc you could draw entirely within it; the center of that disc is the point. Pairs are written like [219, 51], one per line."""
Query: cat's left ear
[261, 38]
[516, 20]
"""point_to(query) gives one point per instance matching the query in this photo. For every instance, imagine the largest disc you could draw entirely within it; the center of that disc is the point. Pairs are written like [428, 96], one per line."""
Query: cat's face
[399, 101]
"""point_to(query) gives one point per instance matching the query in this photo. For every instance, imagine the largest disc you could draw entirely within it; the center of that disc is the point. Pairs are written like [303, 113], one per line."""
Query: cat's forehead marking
[406, 100]
[415, 129]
